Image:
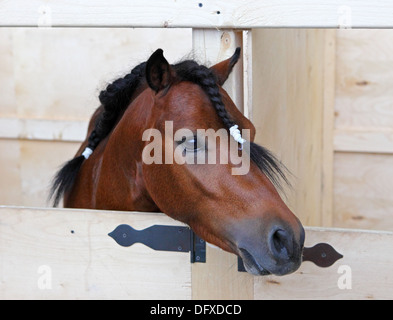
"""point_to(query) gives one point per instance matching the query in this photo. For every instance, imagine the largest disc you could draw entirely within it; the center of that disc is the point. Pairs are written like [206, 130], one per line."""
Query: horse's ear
[223, 69]
[158, 71]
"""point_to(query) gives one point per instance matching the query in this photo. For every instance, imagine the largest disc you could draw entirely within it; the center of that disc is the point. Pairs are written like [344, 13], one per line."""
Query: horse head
[240, 213]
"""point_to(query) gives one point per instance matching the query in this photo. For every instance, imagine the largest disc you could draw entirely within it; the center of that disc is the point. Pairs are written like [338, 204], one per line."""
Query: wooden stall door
[67, 254]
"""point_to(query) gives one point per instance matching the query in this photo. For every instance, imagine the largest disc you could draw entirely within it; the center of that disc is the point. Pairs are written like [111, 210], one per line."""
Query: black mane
[116, 98]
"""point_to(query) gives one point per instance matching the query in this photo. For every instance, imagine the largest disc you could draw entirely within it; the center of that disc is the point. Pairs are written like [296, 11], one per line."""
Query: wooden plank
[363, 191]
[363, 135]
[66, 254]
[71, 251]
[58, 73]
[364, 81]
[289, 85]
[329, 95]
[11, 179]
[247, 74]
[27, 168]
[218, 278]
[374, 140]
[199, 14]
[366, 266]
[43, 129]
[213, 46]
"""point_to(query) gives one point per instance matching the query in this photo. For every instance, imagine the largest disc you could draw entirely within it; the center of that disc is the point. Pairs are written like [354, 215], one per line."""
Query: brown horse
[242, 214]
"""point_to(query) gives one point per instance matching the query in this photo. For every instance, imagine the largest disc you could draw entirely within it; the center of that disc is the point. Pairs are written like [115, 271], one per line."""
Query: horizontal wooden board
[364, 80]
[27, 169]
[363, 195]
[58, 73]
[201, 14]
[87, 264]
[366, 266]
[43, 129]
[83, 262]
[368, 140]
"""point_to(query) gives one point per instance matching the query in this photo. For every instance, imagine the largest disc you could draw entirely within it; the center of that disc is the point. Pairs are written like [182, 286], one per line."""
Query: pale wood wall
[363, 135]
[50, 80]
[290, 74]
[323, 102]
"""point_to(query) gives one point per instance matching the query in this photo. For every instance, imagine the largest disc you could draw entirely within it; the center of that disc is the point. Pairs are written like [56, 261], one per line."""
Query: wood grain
[363, 136]
[203, 14]
[363, 191]
[289, 84]
[85, 262]
[27, 168]
[364, 98]
[57, 74]
[364, 140]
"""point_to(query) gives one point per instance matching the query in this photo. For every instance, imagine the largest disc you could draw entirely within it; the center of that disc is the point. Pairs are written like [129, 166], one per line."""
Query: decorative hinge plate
[183, 239]
[322, 254]
[163, 238]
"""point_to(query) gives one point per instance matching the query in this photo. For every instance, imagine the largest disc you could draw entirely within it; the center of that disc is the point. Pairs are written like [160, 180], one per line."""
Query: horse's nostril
[279, 239]
[281, 244]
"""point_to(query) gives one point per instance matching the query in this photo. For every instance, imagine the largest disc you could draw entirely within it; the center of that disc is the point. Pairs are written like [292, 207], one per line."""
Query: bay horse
[242, 214]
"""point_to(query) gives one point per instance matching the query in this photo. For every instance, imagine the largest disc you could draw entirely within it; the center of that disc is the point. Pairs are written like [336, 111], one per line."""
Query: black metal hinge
[163, 238]
[322, 255]
[183, 239]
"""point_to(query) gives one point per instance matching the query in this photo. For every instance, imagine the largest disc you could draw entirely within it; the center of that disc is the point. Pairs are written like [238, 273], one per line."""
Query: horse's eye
[193, 144]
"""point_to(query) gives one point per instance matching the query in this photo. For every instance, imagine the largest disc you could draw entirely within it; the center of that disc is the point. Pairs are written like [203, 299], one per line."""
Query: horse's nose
[282, 243]
[270, 248]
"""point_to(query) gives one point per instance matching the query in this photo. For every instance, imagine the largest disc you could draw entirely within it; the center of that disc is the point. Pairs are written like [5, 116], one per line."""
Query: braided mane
[116, 98]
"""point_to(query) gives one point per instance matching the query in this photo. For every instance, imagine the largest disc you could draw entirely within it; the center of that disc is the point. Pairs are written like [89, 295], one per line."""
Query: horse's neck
[122, 160]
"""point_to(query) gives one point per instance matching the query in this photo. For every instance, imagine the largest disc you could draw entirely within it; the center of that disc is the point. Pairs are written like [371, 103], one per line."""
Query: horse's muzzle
[278, 252]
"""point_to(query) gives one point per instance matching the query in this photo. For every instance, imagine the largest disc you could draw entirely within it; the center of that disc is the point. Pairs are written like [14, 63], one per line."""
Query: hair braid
[115, 99]
[206, 78]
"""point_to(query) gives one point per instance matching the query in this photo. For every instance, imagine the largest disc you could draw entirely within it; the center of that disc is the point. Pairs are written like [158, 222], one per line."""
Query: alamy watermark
[44, 281]
[344, 281]
[203, 146]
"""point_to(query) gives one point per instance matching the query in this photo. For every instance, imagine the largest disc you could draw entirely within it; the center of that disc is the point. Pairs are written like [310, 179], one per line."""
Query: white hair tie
[87, 153]
[235, 133]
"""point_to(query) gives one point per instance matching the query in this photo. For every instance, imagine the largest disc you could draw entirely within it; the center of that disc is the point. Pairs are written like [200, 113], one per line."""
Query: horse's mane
[116, 98]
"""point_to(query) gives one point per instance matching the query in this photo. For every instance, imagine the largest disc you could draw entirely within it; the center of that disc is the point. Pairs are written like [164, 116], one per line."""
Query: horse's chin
[251, 265]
